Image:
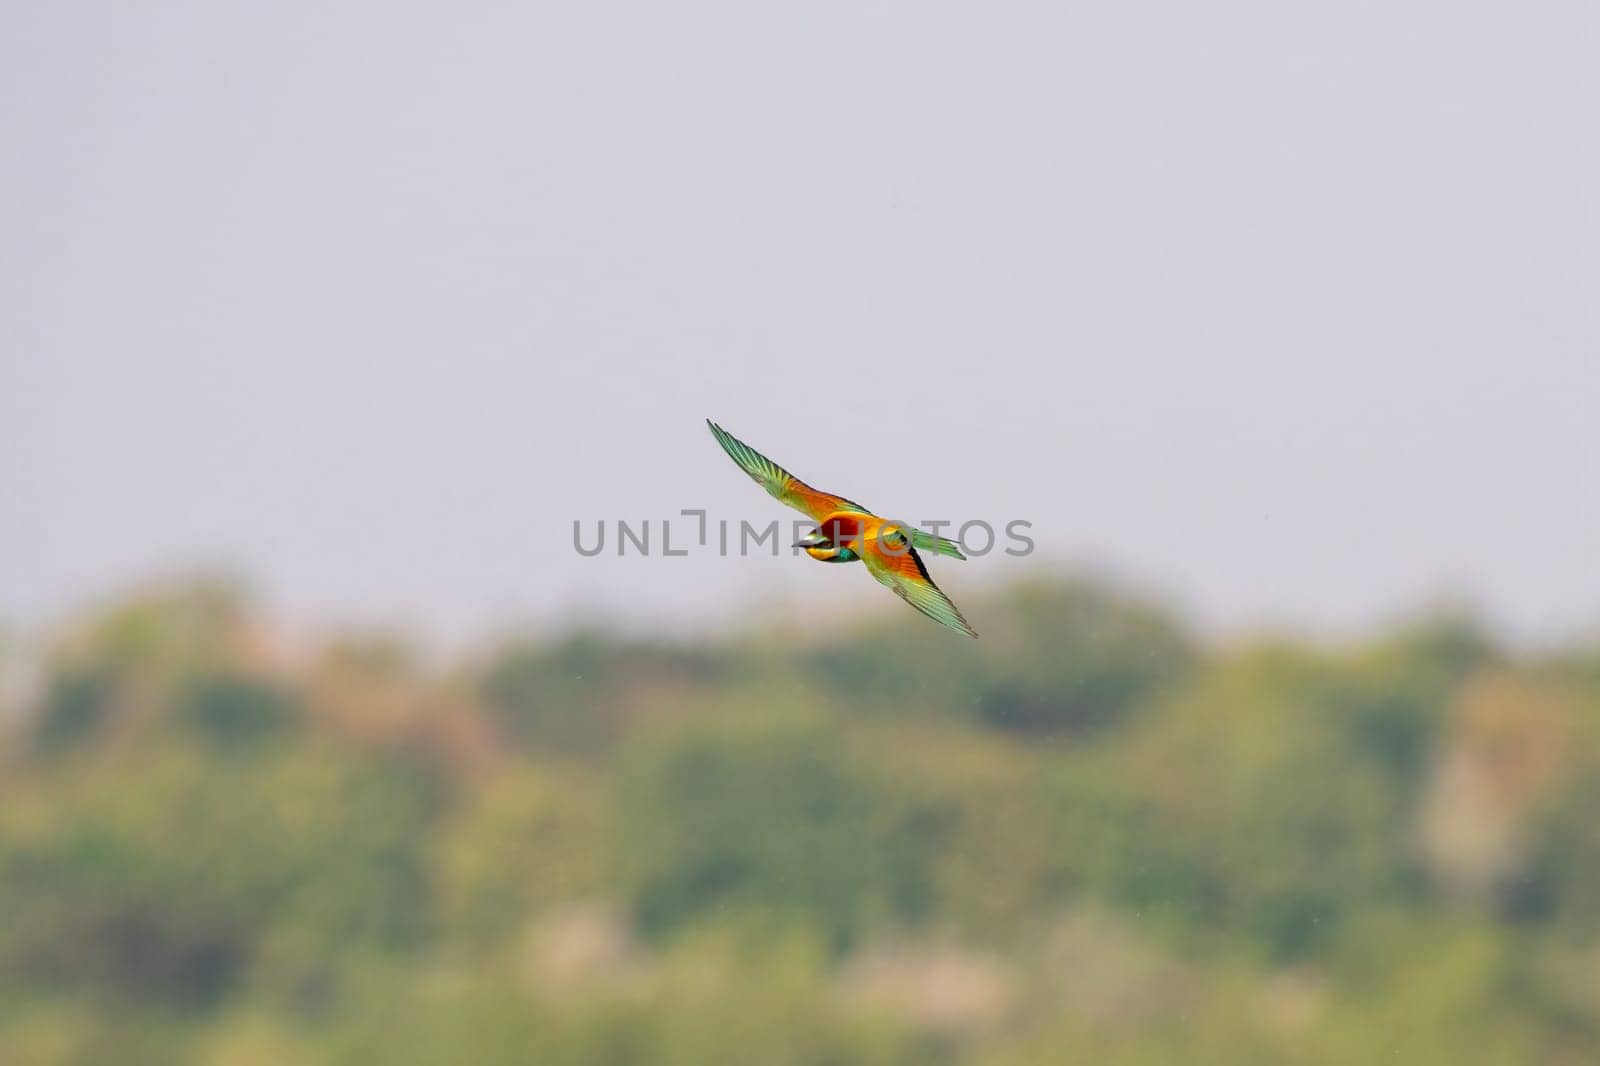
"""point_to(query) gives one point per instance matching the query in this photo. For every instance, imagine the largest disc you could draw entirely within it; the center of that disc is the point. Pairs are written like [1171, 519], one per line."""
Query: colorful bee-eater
[848, 531]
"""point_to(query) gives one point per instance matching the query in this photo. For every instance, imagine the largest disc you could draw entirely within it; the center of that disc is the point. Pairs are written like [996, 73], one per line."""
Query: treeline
[1089, 836]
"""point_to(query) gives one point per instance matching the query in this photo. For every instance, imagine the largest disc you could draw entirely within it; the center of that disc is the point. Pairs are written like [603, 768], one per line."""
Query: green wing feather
[781, 484]
[906, 576]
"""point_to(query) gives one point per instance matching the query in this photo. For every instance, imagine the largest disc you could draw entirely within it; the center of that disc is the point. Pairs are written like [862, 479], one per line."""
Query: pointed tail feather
[930, 543]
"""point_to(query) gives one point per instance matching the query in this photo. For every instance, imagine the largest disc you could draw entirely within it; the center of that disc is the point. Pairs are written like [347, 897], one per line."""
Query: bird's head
[818, 545]
[824, 548]
[815, 539]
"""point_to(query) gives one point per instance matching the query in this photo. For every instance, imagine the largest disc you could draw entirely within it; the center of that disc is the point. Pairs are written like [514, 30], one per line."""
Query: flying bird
[847, 532]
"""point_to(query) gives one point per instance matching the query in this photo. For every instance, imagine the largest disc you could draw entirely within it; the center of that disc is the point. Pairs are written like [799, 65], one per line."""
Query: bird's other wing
[783, 486]
[900, 568]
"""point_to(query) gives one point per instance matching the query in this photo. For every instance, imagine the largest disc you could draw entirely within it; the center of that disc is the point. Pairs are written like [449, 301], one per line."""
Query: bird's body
[848, 532]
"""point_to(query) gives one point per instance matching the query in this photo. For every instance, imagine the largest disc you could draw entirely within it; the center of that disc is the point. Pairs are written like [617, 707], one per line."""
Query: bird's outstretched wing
[898, 566]
[783, 486]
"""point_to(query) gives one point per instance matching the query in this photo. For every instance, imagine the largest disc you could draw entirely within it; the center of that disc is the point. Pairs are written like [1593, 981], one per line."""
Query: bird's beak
[814, 539]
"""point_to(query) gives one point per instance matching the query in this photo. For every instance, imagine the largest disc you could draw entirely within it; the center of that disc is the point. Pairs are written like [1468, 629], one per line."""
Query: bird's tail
[928, 542]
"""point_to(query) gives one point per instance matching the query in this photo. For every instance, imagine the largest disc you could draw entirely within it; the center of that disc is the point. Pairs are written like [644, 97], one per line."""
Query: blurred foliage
[1089, 836]
[766, 818]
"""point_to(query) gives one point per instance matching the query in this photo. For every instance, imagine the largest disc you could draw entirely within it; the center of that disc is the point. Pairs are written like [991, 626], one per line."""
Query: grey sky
[1290, 313]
